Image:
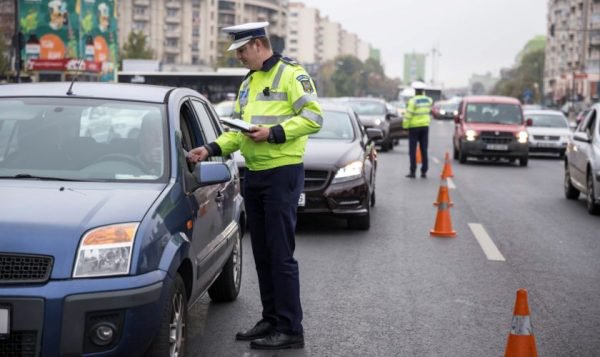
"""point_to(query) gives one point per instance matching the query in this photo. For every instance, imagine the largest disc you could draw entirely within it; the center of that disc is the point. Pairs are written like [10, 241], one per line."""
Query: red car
[490, 127]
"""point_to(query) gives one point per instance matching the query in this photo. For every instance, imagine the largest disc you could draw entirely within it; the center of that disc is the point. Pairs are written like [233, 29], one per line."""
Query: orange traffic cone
[443, 224]
[443, 194]
[418, 156]
[521, 342]
[447, 170]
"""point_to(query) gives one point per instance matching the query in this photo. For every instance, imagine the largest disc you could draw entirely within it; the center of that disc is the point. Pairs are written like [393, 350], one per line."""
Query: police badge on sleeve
[306, 84]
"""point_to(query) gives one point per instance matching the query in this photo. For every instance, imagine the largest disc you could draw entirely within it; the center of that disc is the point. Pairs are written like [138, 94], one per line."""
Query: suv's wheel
[462, 156]
[170, 340]
[227, 285]
[570, 191]
[455, 152]
[590, 197]
[523, 161]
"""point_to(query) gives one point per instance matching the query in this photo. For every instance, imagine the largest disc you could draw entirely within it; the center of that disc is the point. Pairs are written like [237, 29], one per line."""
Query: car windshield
[494, 113]
[82, 139]
[336, 126]
[548, 120]
[225, 109]
[368, 107]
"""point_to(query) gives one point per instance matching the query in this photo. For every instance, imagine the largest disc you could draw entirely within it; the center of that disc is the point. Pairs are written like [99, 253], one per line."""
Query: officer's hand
[258, 133]
[198, 154]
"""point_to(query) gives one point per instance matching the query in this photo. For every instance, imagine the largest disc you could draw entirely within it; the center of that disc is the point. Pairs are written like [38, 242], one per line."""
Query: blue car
[107, 234]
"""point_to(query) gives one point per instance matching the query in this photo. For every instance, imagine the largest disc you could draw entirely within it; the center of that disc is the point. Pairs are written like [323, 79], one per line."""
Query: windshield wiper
[44, 178]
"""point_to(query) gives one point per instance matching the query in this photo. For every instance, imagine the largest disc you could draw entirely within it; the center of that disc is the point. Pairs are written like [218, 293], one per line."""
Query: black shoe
[278, 341]
[262, 329]
[423, 175]
[411, 175]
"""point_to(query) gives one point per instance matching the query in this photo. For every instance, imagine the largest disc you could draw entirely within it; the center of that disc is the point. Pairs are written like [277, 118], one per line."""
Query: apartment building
[572, 63]
[331, 42]
[188, 32]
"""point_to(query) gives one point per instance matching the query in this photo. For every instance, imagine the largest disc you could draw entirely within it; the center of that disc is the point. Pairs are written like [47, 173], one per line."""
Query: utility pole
[435, 54]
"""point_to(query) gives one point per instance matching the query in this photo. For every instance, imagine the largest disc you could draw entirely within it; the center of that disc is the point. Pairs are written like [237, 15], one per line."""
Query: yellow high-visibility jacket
[418, 112]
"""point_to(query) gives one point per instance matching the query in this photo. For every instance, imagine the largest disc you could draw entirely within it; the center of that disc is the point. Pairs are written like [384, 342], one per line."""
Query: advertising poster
[63, 33]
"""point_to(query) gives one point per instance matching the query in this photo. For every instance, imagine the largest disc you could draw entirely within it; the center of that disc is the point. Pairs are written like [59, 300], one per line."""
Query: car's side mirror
[211, 173]
[390, 116]
[374, 134]
[529, 122]
[581, 136]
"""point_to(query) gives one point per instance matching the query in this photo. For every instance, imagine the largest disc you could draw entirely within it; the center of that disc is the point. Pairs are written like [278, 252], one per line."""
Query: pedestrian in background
[279, 98]
[416, 119]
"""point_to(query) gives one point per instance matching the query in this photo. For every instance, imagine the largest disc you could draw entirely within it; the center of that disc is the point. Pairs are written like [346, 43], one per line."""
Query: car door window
[190, 137]
[588, 127]
[208, 124]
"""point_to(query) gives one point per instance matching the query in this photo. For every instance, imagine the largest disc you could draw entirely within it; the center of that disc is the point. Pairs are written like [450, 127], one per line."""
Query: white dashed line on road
[451, 184]
[486, 243]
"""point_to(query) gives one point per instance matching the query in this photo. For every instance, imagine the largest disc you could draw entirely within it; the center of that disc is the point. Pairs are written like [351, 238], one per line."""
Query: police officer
[278, 97]
[416, 119]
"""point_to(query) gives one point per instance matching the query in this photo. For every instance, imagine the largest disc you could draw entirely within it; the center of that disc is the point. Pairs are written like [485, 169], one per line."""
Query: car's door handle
[220, 197]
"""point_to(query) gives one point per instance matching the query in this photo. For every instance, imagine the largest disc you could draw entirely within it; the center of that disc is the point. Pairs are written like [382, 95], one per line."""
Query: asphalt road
[395, 291]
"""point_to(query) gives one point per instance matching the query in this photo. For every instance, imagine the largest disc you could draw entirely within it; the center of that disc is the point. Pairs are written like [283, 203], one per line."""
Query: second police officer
[416, 119]
[278, 97]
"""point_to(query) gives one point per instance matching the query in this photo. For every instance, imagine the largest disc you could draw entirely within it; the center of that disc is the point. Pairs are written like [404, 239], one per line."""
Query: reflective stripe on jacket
[418, 112]
[284, 95]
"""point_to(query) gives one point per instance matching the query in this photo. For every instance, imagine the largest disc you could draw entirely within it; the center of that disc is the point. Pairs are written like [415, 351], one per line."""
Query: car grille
[497, 137]
[17, 268]
[19, 343]
[546, 137]
[313, 179]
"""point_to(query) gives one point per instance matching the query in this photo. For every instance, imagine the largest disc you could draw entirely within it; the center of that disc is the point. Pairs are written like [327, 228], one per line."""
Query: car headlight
[105, 251]
[443, 112]
[377, 122]
[522, 137]
[349, 172]
[471, 135]
[455, 112]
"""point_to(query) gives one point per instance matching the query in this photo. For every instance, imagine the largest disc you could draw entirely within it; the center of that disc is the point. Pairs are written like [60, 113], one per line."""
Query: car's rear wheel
[227, 286]
[170, 340]
[592, 206]
[570, 191]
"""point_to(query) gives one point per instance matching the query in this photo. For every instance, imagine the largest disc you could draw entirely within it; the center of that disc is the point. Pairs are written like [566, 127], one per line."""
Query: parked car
[444, 110]
[490, 127]
[582, 162]
[106, 242]
[340, 167]
[548, 131]
[374, 113]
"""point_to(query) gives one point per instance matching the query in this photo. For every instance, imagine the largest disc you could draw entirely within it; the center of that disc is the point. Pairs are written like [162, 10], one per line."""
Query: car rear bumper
[58, 318]
[344, 199]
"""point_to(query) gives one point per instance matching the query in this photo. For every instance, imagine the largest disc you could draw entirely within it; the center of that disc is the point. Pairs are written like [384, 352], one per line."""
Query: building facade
[572, 61]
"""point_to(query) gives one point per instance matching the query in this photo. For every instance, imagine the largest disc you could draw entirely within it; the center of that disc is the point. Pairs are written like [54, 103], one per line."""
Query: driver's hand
[198, 154]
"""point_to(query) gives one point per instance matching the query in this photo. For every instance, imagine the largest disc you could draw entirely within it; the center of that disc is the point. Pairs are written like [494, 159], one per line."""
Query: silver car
[548, 130]
[582, 162]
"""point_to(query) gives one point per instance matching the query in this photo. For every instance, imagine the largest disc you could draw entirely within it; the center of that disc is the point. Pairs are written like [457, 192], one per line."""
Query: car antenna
[70, 90]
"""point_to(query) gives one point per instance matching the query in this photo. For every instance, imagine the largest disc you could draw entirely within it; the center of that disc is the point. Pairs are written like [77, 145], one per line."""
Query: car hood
[515, 128]
[330, 154]
[533, 130]
[49, 218]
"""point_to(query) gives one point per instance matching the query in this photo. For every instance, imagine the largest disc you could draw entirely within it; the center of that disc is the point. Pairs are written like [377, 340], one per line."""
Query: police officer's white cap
[242, 34]
[418, 85]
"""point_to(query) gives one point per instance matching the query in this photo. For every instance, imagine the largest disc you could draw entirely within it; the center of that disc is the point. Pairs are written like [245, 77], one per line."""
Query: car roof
[491, 99]
[544, 111]
[117, 91]
[335, 107]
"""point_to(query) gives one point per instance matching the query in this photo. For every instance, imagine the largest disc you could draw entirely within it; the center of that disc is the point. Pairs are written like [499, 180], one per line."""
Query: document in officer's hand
[239, 124]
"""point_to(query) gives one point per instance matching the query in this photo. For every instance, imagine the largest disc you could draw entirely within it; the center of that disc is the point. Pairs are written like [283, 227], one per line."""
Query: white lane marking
[486, 243]
[435, 159]
[451, 184]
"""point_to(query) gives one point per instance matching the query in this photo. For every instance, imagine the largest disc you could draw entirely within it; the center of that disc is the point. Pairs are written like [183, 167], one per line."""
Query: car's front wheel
[592, 206]
[363, 222]
[570, 191]
[227, 286]
[170, 340]
[462, 156]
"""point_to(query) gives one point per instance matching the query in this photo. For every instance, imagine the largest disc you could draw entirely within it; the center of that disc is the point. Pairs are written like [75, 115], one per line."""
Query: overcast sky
[473, 36]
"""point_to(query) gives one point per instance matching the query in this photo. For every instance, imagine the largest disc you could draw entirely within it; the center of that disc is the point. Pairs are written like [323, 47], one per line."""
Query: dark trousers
[420, 135]
[271, 198]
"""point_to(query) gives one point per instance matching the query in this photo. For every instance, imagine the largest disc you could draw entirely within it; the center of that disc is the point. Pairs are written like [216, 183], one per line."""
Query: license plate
[498, 147]
[302, 200]
[4, 322]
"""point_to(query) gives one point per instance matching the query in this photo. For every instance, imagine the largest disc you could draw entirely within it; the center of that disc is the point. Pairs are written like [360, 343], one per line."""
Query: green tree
[348, 77]
[527, 75]
[137, 47]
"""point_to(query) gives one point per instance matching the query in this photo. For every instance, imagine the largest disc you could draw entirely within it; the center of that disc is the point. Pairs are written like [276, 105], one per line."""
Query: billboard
[70, 34]
[414, 67]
